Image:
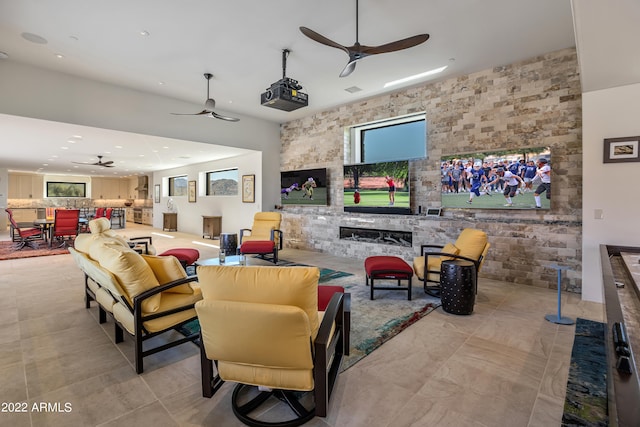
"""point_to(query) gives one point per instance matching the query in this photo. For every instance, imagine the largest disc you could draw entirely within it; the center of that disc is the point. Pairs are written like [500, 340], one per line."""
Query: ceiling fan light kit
[358, 51]
[209, 105]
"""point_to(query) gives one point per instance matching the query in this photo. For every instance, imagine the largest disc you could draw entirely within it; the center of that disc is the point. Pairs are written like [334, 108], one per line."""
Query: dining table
[46, 224]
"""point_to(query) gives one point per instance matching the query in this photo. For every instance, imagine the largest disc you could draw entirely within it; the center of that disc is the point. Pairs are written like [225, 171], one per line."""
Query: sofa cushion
[133, 273]
[167, 269]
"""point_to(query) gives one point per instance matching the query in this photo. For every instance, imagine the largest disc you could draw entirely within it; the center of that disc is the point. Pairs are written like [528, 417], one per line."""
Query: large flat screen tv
[304, 187]
[380, 188]
[457, 178]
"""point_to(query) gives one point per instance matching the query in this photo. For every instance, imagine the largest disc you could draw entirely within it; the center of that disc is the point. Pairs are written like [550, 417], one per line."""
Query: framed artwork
[619, 150]
[192, 191]
[156, 193]
[248, 188]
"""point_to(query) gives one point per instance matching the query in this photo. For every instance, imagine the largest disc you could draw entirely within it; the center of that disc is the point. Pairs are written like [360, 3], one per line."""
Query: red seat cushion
[257, 247]
[187, 255]
[325, 293]
[387, 266]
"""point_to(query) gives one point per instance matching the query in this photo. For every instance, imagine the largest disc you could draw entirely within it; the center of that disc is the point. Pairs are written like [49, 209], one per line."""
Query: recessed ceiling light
[144, 33]
[118, 146]
[64, 148]
[416, 76]
[34, 38]
[161, 83]
[77, 136]
[59, 55]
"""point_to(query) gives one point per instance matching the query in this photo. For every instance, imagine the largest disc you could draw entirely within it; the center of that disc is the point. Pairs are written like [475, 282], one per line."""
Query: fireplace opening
[372, 235]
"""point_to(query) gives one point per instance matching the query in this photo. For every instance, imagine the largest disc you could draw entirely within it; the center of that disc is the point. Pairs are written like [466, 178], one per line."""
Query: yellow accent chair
[146, 295]
[261, 328]
[471, 245]
[264, 237]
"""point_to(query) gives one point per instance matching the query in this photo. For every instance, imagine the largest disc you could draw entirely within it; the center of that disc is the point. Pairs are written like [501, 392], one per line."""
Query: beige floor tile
[503, 365]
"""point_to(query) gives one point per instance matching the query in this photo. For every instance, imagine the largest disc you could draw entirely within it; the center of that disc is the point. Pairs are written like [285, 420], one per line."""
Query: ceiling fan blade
[218, 116]
[192, 114]
[322, 39]
[105, 163]
[348, 69]
[395, 46]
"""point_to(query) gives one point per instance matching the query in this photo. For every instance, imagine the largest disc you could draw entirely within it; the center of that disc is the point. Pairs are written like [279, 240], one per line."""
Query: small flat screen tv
[379, 188]
[304, 187]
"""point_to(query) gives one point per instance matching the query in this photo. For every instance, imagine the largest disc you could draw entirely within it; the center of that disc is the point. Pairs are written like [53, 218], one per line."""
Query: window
[401, 138]
[178, 186]
[223, 182]
[66, 189]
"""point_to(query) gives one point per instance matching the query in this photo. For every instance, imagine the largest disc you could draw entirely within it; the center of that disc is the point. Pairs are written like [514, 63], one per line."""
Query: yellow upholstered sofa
[262, 327]
[471, 245]
[146, 295]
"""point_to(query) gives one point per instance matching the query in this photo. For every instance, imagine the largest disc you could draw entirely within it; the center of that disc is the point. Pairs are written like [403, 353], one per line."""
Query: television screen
[482, 180]
[304, 187]
[381, 187]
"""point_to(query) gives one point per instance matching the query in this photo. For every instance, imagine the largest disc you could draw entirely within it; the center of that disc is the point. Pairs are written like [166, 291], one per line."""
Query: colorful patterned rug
[7, 251]
[586, 400]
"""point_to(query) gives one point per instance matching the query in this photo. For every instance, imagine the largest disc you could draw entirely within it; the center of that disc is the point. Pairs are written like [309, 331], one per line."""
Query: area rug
[7, 251]
[372, 322]
[586, 400]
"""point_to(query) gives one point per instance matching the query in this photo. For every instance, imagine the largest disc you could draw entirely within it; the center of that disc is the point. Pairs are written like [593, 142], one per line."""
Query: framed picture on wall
[248, 188]
[192, 191]
[156, 193]
[617, 150]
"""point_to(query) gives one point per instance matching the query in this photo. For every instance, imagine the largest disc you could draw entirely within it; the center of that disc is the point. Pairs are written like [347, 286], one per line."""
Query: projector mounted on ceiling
[285, 93]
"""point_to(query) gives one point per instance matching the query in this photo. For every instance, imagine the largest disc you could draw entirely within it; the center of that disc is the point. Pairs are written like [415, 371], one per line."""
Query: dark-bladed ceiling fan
[358, 51]
[209, 105]
[108, 164]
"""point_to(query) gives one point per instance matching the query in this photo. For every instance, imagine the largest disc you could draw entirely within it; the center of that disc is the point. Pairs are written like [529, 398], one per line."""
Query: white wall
[4, 195]
[612, 187]
[235, 214]
[34, 92]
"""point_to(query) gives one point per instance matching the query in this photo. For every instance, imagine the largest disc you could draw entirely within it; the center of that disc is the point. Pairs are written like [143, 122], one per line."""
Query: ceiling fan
[358, 51]
[209, 105]
[108, 164]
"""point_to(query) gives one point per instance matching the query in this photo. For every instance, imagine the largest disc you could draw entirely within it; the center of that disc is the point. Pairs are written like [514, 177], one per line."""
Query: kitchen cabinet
[147, 216]
[129, 214]
[170, 221]
[25, 186]
[109, 188]
[211, 227]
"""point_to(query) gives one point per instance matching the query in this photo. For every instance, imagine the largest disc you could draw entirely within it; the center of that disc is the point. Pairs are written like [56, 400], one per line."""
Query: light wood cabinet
[211, 227]
[109, 188]
[25, 186]
[169, 221]
[147, 216]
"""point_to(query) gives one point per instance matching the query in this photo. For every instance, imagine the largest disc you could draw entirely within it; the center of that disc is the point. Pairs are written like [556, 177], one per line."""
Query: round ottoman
[186, 256]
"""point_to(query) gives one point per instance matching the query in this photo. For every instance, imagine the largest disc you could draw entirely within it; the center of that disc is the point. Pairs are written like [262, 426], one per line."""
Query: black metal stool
[458, 286]
[229, 243]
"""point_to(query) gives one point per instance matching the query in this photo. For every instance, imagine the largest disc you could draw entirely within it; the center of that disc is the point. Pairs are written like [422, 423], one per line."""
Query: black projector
[285, 95]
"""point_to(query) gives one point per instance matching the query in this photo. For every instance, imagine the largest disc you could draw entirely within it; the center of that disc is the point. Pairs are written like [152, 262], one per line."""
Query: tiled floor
[505, 365]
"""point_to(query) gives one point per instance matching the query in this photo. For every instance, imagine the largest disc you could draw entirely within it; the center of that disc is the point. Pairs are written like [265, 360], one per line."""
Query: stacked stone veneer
[532, 103]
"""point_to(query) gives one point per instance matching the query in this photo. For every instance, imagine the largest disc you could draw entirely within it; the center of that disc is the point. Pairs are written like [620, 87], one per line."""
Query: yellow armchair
[264, 237]
[471, 245]
[262, 327]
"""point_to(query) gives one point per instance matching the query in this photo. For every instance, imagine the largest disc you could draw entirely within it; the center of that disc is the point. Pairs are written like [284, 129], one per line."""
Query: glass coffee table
[229, 260]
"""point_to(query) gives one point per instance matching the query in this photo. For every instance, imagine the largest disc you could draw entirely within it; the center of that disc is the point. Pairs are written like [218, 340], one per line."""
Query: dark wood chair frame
[387, 274]
[326, 347]
[141, 334]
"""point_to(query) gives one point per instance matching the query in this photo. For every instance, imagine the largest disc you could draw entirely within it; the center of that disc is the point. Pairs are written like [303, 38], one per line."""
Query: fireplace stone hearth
[372, 235]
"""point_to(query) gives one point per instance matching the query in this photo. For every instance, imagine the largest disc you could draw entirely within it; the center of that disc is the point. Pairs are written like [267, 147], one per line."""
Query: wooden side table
[169, 221]
[211, 227]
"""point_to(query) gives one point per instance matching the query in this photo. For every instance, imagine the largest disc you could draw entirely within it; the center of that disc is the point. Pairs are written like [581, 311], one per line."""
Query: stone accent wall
[536, 102]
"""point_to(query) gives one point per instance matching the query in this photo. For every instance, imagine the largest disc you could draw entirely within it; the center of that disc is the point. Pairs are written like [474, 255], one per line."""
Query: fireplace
[372, 235]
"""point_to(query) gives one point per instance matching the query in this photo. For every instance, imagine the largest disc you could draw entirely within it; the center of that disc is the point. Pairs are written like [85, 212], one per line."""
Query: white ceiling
[240, 43]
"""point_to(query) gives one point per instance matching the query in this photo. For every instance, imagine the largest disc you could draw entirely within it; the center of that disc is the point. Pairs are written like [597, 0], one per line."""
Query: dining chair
[65, 224]
[26, 236]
